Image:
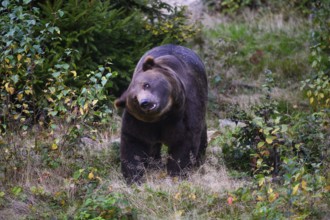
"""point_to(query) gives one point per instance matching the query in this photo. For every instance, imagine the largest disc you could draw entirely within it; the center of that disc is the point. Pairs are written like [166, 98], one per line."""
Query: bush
[51, 56]
[268, 137]
[312, 132]
[30, 88]
[317, 87]
[258, 143]
[288, 158]
[112, 206]
[112, 31]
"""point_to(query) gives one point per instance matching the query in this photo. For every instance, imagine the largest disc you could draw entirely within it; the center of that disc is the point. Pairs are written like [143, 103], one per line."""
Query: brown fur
[165, 103]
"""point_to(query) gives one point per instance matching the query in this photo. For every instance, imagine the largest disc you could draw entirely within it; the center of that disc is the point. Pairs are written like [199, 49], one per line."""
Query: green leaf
[5, 3]
[259, 162]
[260, 144]
[60, 13]
[284, 128]
[65, 65]
[267, 130]
[101, 68]
[53, 113]
[275, 130]
[56, 74]
[295, 189]
[270, 139]
[16, 190]
[258, 121]
[57, 31]
[15, 78]
[108, 75]
[26, 2]
[261, 181]
[314, 64]
[93, 79]
[103, 81]
[53, 126]
[98, 75]
[52, 90]
[77, 174]
[277, 120]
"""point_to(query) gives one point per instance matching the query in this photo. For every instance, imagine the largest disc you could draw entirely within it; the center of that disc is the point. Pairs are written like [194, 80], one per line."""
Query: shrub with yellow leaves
[173, 30]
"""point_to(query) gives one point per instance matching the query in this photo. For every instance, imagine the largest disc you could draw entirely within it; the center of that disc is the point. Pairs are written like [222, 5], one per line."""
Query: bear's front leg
[200, 157]
[133, 154]
[179, 158]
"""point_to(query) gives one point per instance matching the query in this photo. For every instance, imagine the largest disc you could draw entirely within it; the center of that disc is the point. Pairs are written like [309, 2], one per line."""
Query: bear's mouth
[153, 106]
[147, 108]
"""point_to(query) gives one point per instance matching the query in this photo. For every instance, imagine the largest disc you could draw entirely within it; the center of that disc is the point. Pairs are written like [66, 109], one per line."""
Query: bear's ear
[120, 102]
[148, 63]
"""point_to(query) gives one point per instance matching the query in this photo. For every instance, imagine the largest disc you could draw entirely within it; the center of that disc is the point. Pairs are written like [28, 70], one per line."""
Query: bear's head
[155, 89]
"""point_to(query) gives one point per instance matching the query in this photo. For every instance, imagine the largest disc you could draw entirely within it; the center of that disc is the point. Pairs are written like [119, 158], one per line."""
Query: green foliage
[289, 157]
[257, 144]
[268, 137]
[51, 56]
[300, 193]
[318, 91]
[312, 130]
[289, 160]
[111, 206]
[22, 54]
[317, 87]
[95, 32]
[108, 32]
[28, 90]
[172, 30]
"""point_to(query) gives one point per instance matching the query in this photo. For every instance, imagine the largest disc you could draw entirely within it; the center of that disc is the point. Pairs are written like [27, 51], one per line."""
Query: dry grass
[163, 197]
[160, 196]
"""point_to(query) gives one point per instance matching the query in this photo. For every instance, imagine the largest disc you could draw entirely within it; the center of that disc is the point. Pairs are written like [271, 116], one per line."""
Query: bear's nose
[146, 104]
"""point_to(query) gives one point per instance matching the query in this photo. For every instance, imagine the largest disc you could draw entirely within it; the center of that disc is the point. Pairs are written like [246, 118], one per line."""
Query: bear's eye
[146, 86]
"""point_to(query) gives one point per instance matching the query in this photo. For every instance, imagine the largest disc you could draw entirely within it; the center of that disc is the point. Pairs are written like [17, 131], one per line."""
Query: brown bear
[165, 103]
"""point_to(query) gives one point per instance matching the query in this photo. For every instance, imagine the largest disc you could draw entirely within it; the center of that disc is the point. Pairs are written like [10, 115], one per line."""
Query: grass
[255, 42]
[42, 190]
[238, 52]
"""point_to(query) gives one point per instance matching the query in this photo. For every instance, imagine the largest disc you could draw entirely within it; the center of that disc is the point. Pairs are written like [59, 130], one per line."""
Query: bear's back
[188, 57]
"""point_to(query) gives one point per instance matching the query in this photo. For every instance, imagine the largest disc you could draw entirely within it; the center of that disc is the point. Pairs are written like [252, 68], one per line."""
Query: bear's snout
[147, 105]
